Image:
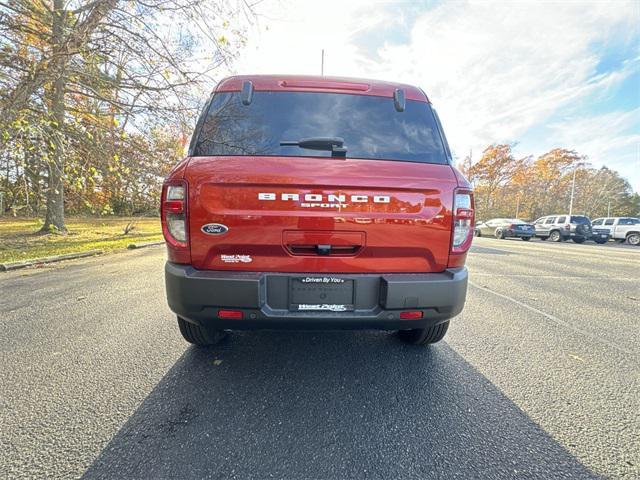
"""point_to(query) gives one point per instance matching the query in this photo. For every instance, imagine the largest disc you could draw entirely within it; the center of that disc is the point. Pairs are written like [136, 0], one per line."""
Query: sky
[536, 74]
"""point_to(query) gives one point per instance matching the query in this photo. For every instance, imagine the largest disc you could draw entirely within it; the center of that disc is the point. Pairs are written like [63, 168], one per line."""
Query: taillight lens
[462, 221]
[174, 214]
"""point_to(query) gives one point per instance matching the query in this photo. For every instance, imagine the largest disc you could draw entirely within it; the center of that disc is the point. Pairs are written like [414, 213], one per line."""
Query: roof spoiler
[399, 100]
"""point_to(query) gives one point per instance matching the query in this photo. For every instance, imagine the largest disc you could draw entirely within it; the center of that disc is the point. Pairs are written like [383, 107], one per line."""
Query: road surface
[539, 378]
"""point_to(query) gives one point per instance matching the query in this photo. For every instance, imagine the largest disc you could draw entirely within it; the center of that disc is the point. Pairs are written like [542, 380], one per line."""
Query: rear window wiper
[335, 145]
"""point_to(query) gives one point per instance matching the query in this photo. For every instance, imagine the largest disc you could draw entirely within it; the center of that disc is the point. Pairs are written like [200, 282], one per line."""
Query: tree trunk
[54, 219]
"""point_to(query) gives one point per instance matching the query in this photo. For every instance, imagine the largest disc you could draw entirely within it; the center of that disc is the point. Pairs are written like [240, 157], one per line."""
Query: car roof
[563, 215]
[316, 83]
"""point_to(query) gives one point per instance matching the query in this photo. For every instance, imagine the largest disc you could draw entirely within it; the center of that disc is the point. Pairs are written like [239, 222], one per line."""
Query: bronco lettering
[316, 197]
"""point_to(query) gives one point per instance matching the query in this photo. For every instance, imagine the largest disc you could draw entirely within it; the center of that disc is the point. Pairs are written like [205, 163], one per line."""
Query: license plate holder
[321, 293]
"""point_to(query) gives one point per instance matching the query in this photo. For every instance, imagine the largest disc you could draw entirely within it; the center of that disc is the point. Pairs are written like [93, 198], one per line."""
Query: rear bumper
[197, 295]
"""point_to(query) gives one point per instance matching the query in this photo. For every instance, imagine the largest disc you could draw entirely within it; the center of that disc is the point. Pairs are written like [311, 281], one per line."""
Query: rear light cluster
[173, 213]
[462, 221]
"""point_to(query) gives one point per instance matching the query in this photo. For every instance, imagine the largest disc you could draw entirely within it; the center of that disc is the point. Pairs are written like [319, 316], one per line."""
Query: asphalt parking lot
[539, 378]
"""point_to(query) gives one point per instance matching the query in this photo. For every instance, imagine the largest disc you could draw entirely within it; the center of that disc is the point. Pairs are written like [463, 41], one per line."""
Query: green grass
[20, 240]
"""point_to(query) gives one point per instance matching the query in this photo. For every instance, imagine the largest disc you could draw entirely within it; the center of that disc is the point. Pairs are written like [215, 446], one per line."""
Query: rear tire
[579, 240]
[499, 234]
[555, 236]
[477, 233]
[526, 239]
[424, 336]
[198, 335]
[633, 239]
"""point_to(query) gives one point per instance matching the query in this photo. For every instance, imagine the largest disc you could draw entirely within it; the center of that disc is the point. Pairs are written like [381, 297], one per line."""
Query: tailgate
[305, 214]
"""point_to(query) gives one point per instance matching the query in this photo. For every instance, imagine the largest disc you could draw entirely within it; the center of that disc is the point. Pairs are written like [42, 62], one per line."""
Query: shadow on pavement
[329, 405]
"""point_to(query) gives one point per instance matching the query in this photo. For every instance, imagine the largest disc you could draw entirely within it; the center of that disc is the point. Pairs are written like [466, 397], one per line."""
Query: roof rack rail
[399, 100]
[247, 92]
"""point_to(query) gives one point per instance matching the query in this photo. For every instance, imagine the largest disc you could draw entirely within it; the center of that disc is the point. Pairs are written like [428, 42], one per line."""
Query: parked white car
[621, 228]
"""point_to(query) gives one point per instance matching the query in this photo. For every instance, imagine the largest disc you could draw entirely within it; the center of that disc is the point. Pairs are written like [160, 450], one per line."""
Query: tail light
[173, 212]
[462, 221]
[463, 215]
[512, 226]
[567, 227]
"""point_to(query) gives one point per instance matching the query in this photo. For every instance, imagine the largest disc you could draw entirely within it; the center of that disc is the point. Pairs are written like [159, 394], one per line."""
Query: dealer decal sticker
[236, 258]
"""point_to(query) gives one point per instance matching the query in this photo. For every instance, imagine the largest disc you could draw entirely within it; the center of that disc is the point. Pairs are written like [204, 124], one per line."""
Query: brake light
[567, 227]
[173, 212]
[411, 315]
[462, 221]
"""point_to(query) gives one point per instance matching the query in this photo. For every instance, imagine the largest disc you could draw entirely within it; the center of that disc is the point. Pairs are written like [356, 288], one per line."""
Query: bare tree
[84, 75]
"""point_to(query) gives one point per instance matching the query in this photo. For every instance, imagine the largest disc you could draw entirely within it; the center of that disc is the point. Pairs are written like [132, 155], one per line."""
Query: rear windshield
[628, 221]
[370, 126]
[580, 220]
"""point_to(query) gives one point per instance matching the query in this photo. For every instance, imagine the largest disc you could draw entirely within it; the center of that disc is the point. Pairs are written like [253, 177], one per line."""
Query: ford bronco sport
[316, 202]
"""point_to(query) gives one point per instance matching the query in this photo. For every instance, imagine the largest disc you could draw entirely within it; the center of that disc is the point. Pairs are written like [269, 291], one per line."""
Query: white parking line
[555, 320]
[558, 277]
[609, 252]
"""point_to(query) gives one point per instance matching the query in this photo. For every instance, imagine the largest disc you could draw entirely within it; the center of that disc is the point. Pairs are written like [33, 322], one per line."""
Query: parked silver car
[505, 228]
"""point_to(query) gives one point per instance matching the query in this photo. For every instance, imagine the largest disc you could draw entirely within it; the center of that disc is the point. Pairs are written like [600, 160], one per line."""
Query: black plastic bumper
[197, 295]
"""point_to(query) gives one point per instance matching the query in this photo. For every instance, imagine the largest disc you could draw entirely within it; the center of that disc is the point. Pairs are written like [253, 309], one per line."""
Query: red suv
[316, 202]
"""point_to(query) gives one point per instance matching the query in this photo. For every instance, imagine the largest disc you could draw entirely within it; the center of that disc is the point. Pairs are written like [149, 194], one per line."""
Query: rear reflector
[410, 315]
[233, 314]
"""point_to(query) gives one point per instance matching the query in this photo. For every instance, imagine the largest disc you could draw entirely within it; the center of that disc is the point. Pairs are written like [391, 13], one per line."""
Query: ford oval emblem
[214, 229]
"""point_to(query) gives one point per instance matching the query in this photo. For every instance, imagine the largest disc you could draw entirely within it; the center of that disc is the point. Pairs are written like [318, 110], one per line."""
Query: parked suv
[558, 228]
[620, 228]
[316, 202]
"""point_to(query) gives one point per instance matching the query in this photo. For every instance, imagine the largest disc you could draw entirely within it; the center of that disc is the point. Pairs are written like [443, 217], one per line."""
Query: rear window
[370, 126]
[580, 219]
[628, 221]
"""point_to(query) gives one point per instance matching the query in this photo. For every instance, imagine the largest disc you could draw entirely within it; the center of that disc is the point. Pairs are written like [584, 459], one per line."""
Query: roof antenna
[322, 63]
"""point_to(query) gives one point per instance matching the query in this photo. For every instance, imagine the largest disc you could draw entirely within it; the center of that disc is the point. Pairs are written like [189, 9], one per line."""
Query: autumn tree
[528, 188]
[82, 78]
[493, 171]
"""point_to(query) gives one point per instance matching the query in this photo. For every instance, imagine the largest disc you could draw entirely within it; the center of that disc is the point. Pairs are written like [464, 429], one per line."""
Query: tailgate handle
[323, 249]
[323, 243]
